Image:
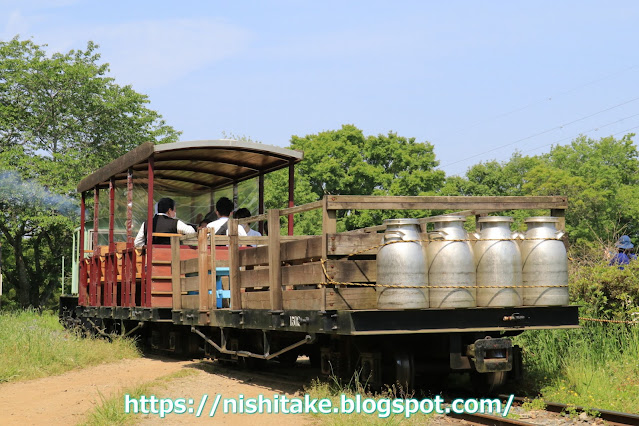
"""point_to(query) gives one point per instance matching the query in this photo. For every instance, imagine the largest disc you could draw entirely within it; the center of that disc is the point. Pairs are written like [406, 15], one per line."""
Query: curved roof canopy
[194, 166]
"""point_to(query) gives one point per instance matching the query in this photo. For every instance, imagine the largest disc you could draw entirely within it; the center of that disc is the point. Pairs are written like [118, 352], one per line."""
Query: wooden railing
[258, 275]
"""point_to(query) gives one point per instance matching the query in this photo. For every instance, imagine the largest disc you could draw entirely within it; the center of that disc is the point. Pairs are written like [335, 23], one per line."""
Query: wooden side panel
[191, 302]
[338, 299]
[348, 243]
[351, 298]
[256, 300]
[352, 271]
[162, 274]
[297, 250]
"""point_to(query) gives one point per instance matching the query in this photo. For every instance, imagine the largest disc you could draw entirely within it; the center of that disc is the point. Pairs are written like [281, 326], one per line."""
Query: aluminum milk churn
[402, 263]
[498, 262]
[450, 264]
[544, 263]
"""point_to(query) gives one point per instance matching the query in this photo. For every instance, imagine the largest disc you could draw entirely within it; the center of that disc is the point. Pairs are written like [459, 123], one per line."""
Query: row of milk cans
[497, 268]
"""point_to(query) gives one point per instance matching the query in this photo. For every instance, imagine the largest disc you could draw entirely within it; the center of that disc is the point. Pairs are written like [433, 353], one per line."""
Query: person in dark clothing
[223, 209]
[164, 221]
[623, 256]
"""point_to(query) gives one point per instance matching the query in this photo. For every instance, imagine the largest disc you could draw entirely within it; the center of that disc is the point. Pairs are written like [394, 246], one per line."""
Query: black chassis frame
[511, 320]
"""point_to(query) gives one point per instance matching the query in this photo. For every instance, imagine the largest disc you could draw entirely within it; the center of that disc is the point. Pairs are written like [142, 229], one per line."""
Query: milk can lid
[542, 219]
[403, 221]
[492, 219]
[446, 218]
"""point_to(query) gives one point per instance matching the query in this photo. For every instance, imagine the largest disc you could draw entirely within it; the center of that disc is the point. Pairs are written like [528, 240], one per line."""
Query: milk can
[402, 263]
[544, 263]
[450, 264]
[498, 262]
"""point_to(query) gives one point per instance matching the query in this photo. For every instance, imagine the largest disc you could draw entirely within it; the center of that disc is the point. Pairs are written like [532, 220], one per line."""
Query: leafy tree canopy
[345, 161]
[61, 117]
[599, 177]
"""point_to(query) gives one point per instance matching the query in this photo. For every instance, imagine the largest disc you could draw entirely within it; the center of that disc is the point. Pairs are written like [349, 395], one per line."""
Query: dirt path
[66, 399]
[213, 379]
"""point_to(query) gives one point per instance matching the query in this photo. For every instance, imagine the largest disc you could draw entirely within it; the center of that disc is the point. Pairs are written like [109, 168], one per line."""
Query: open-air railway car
[253, 299]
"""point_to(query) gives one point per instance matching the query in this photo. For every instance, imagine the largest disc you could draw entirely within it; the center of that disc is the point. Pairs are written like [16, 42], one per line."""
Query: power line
[545, 99]
[561, 126]
[588, 131]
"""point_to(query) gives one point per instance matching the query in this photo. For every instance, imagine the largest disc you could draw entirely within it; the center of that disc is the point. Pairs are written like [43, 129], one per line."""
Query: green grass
[111, 410]
[596, 366]
[36, 345]
[333, 391]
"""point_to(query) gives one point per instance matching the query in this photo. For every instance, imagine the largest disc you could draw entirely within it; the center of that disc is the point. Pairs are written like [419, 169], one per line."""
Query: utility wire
[594, 129]
[561, 126]
[546, 99]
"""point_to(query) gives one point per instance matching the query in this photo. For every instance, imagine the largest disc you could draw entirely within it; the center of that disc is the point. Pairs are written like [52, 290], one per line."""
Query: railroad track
[610, 417]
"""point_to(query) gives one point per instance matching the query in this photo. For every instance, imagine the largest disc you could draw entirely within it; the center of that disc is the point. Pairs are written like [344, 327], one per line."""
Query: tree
[599, 177]
[61, 117]
[345, 161]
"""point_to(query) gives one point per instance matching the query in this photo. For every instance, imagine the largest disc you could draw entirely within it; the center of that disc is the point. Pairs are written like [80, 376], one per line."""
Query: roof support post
[235, 193]
[95, 260]
[129, 208]
[110, 266]
[82, 282]
[291, 194]
[260, 208]
[146, 290]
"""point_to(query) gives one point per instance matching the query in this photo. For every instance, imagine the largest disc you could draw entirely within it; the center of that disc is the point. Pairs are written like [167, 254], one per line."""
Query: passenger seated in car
[165, 222]
[223, 209]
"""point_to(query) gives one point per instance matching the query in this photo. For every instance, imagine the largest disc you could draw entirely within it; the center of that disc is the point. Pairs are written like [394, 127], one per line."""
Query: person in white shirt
[223, 209]
[244, 212]
[164, 221]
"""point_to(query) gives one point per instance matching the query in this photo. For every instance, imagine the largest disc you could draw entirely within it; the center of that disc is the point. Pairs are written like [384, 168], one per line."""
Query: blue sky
[478, 80]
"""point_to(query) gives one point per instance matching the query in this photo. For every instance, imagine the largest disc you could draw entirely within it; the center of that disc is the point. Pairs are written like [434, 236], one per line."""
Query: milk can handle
[396, 233]
[559, 234]
[441, 234]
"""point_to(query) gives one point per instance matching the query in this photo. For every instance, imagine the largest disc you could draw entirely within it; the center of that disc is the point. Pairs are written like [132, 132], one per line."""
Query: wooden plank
[300, 249]
[561, 215]
[348, 243]
[303, 299]
[191, 302]
[336, 299]
[256, 300]
[329, 226]
[212, 266]
[252, 219]
[203, 270]
[234, 265]
[351, 298]
[348, 202]
[310, 273]
[190, 266]
[274, 260]
[303, 208]
[190, 283]
[352, 271]
[120, 164]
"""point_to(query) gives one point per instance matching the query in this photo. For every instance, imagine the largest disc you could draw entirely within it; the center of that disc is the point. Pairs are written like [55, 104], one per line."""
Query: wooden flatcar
[251, 299]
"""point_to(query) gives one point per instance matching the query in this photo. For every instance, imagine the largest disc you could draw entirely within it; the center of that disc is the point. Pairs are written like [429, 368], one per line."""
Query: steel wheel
[404, 370]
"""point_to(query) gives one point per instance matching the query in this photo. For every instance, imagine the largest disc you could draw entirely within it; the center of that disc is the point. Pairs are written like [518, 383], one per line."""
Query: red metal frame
[95, 267]
[82, 281]
[146, 288]
[111, 260]
[128, 272]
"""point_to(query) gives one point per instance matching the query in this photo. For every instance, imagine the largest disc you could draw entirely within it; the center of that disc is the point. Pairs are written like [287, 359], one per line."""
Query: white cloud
[147, 53]
[155, 53]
